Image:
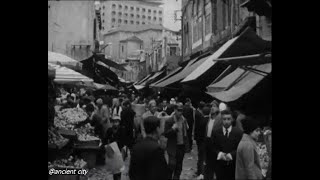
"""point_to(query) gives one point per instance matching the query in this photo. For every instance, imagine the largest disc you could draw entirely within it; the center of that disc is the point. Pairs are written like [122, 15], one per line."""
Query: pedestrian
[103, 112]
[225, 141]
[189, 113]
[127, 124]
[199, 128]
[152, 111]
[113, 134]
[147, 159]
[247, 159]
[116, 109]
[210, 157]
[177, 144]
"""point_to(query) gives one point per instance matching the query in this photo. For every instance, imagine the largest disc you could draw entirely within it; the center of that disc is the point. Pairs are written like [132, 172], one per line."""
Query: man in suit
[211, 158]
[148, 160]
[177, 144]
[225, 141]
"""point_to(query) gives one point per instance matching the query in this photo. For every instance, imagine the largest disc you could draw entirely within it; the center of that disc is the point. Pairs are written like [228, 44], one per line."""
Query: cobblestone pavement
[188, 170]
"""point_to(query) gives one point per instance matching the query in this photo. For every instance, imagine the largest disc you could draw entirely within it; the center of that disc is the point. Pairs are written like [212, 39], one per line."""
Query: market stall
[72, 143]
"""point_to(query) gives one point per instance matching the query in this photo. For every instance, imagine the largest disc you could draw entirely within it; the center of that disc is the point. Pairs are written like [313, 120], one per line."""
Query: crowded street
[160, 89]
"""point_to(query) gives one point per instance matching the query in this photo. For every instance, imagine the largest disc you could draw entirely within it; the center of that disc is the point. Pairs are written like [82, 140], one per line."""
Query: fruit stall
[70, 145]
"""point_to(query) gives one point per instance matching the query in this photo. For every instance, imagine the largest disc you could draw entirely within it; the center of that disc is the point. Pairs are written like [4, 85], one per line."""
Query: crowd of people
[150, 128]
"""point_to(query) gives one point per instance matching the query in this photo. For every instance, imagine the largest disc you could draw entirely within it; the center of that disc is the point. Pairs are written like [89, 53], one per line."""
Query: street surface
[188, 170]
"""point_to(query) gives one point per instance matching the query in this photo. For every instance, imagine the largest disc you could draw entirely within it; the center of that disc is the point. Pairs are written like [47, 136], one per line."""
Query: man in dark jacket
[127, 124]
[188, 113]
[147, 160]
[177, 144]
[225, 142]
[199, 128]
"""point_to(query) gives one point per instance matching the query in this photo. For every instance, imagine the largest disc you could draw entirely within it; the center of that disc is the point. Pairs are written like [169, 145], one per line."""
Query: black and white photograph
[159, 89]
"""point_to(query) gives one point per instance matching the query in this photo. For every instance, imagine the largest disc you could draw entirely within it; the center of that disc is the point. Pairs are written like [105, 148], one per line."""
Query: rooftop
[130, 28]
[132, 38]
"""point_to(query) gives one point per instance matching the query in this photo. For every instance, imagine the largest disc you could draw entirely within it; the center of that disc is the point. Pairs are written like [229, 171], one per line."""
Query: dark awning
[255, 59]
[240, 82]
[247, 43]
[109, 62]
[172, 73]
[191, 66]
[154, 78]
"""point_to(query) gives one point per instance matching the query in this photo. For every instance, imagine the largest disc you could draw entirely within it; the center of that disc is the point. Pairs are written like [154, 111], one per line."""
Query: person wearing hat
[224, 145]
[177, 141]
[247, 159]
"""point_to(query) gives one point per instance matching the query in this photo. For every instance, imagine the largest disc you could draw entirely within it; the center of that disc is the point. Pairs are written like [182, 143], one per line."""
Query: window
[103, 21]
[122, 48]
[154, 18]
[120, 13]
[113, 20]
[120, 7]
[143, 23]
[138, 16]
[119, 21]
[208, 27]
[154, 11]
[149, 17]
[131, 22]
[103, 7]
[132, 15]
[126, 14]
[113, 6]
[138, 9]
[143, 10]
[102, 28]
[160, 19]
[160, 12]
[143, 16]
[125, 21]
[131, 8]
[137, 22]
[125, 7]
[149, 10]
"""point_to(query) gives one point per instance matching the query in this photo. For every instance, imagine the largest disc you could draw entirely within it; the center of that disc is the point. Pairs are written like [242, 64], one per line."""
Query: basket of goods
[55, 140]
[88, 140]
[86, 137]
[68, 118]
[70, 163]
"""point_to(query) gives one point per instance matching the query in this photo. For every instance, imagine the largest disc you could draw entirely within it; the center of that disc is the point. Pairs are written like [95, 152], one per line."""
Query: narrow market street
[188, 170]
[156, 74]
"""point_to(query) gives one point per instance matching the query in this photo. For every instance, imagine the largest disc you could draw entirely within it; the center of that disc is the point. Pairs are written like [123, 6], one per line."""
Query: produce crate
[89, 154]
[90, 157]
[88, 143]
[68, 134]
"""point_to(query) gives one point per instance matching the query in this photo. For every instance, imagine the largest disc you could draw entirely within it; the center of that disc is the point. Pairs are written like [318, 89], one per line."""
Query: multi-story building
[131, 46]
[132, 13]
[208, 24]
[71, 28]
